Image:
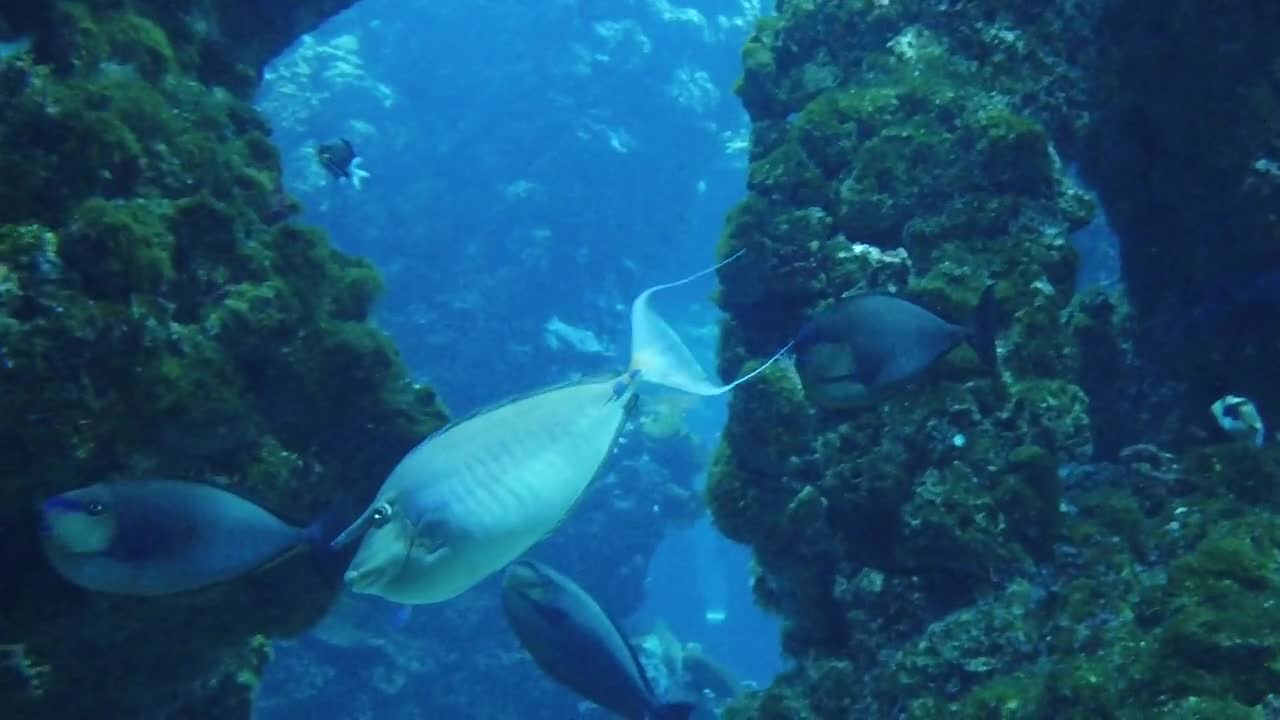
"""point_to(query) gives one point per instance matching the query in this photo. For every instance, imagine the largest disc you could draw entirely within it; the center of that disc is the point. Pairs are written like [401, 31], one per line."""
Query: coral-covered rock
[950, 550]
[918, 176]
[160, 316]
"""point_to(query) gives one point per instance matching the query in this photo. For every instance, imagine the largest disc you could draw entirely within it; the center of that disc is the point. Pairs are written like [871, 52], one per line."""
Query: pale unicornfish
[872, 341]
[155, 537]
[481, 492]
[476, 495]
[575, 642]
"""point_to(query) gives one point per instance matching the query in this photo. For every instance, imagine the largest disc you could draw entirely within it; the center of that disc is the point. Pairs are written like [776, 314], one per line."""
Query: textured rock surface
[161, 315]
[943, 552]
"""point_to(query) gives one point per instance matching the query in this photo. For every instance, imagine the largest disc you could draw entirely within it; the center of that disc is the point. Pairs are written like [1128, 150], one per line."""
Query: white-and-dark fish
[1240, 419]
[868, 342]
[477, 495]
[579, 645]
[156, 537]
[339, 159]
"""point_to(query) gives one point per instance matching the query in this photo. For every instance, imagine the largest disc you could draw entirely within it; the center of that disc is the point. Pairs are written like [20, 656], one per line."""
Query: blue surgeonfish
[579, 645]
[475, 496]
[868, 342]
[156, 537]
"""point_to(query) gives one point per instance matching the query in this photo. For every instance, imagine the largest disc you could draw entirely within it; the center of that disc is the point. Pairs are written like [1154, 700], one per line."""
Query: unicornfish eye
[381, 514]
[94, 508]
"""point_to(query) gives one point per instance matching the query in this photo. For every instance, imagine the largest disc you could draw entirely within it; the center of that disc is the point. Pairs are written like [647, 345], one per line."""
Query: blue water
[534, 166]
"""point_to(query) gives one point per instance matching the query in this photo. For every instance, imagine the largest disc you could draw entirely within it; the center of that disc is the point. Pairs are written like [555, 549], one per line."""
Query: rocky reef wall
[956, 548]
[160, 314]
[1184, 147]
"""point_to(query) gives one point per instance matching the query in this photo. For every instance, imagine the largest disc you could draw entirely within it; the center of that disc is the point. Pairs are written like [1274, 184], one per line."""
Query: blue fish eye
[94, 508]
[381, 514]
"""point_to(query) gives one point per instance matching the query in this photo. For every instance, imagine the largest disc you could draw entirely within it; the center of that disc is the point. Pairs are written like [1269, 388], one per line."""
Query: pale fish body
[474, 497]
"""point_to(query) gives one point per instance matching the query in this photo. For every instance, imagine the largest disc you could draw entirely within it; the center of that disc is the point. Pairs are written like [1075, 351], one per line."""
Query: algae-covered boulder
[954, 549]
[216, 42]
[945, 489]
[160, 315]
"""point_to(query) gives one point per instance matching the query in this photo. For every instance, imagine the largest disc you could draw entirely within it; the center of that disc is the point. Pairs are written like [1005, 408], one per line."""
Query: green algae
[118, 248]
[160, 314]
[1250, 474]
[925, 552]
[138, 43]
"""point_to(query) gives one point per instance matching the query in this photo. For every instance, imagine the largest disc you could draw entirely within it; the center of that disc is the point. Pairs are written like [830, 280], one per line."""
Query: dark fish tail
[672, 711]
[330, 523]
[320, 533]
[982, 327]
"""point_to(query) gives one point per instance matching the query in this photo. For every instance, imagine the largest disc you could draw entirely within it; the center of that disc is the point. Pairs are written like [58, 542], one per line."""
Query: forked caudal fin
[660, 357]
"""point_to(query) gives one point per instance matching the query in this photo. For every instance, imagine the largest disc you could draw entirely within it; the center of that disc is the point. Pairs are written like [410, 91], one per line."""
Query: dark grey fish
[874, 340]
[336, 157]
[156, 537]
[575, 642]
[339, 159]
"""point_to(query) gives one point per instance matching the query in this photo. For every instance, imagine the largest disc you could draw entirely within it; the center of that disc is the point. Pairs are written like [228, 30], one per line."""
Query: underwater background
[186, 292]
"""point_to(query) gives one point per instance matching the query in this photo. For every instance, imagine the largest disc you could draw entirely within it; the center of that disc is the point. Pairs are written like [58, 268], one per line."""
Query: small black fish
[870, 341]
[339, 159]
[575, 642]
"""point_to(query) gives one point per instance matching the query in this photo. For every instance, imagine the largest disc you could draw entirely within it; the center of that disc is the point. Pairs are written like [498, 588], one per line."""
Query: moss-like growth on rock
[943, 552]
[160, 316]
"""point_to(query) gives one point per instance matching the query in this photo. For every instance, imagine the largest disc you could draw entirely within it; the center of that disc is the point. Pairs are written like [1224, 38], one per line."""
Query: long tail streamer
[663, 359]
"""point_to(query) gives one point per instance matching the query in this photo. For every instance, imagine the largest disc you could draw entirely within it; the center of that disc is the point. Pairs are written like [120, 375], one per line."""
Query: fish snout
[365, 578]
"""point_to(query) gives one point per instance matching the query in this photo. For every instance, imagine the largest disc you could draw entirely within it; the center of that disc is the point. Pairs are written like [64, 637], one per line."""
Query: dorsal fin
[508, 401]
